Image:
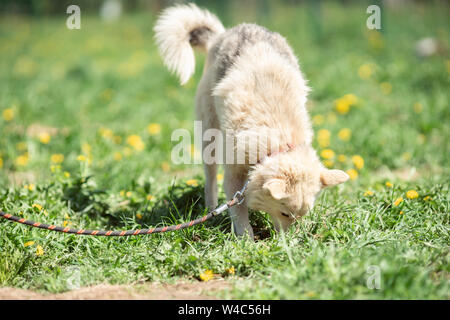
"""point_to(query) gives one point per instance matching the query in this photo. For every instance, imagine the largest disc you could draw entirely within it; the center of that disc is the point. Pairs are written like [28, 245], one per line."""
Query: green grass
[76, 84]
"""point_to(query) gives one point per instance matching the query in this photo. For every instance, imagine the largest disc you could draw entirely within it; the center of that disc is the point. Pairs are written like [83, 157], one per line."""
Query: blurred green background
[75, 84]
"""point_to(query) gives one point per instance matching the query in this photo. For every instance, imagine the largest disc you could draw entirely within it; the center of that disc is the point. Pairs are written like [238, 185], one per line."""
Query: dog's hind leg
[206, 113]
[210, 185]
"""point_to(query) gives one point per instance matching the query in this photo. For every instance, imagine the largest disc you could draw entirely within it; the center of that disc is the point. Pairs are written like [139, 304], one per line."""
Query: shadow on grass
[179, 203]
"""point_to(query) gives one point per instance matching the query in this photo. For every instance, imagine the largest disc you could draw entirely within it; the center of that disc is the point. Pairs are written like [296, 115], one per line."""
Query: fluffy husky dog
[252, 87]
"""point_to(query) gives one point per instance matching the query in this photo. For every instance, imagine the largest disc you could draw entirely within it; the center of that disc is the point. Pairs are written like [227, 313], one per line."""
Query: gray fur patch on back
[199, 36]
[232, 43]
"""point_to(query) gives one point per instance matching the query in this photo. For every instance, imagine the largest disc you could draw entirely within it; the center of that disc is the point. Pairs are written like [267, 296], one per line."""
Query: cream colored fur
[172, 37]
[252, 87]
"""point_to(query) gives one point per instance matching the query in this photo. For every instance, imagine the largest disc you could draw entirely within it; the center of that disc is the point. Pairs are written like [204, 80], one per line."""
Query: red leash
[238, 198]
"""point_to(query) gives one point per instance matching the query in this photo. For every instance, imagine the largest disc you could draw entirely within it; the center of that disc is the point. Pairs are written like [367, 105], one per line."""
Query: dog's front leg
[234, 181]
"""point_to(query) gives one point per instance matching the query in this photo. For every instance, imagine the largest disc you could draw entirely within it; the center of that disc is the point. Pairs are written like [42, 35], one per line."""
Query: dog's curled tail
[178, 30]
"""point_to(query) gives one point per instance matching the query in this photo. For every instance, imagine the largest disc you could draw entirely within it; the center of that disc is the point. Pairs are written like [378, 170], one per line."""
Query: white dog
[251, 86]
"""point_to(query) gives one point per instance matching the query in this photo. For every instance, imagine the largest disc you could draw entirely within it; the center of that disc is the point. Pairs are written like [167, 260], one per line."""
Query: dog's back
[259, 85]
[252, 81]
[231, 44]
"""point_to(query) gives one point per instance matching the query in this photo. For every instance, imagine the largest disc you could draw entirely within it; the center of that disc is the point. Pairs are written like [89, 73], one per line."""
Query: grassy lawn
[85, 123]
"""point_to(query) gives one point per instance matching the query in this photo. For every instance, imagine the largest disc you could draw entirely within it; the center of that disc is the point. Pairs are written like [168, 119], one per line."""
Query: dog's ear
[276, 187]
[330, 178]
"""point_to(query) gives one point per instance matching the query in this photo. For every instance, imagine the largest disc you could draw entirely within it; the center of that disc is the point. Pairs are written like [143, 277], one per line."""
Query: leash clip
[239, 195]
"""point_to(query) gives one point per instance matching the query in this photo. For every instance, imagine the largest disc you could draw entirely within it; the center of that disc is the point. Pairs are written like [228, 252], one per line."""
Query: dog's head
[286, 186]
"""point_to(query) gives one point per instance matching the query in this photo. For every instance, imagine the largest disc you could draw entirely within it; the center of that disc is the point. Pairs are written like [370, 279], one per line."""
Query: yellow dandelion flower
[389, 184]
[154, 128]
[8, 114]
[165, 166]
[368, 193]
[342, 158]
[31, 187]
[55, 168]
[427, 198]
[66, 174]
[386, 87]
[21, 146]
[44, 137]
[37, 206]
[412, 194]
[86, 148]
[65, 223]
[207, 275]
[28, 243]
[230, 270]
[129, 194]
[22, 160]
[344, 134]
[358, 161]
[327, 154]
[106, 133]
[192, 149]
[350, 98]
[138, 215]
[406, 156]
[342, 106]
[353, 174]
[136, 142]
[398, 201]
[192, 182]
[219, 177]
[39, 251]
[323, 137]
[401, 212]
[365, 71]
[57, 158]
[117, 156]
[323, 134]
[328, 163]
[418, 107]
[81, 158]
[150, 197]
[318, 119]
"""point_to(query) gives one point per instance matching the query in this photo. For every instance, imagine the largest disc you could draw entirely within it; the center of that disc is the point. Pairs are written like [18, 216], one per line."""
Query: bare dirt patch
[153, 291]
